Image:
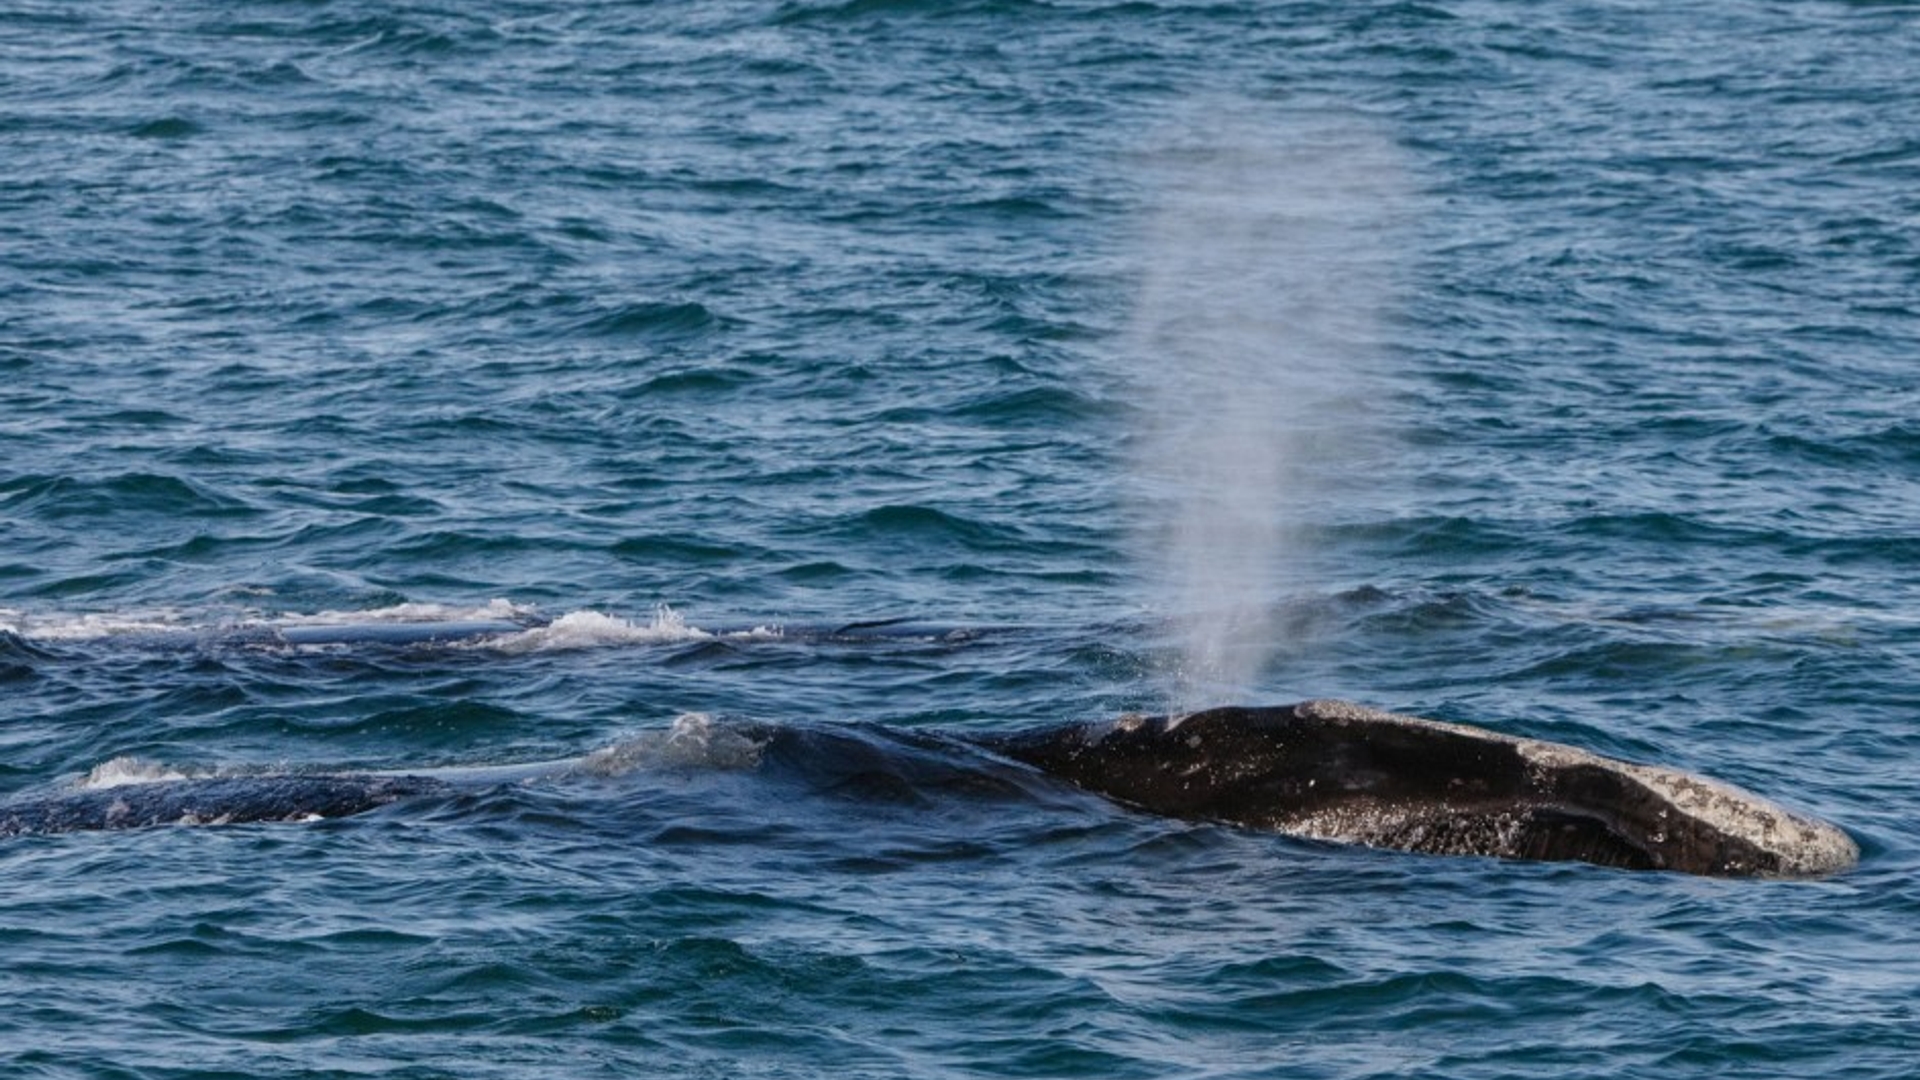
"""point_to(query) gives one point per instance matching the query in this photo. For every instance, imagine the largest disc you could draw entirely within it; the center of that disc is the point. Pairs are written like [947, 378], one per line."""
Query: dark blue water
[1550, 369]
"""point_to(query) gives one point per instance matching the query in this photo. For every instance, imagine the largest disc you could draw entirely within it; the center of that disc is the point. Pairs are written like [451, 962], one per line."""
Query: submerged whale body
[1334, 771]
[225, 800]
[1318, 770]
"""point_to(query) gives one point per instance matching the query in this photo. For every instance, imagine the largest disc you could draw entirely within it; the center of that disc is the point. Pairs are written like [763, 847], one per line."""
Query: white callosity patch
[1802, 846]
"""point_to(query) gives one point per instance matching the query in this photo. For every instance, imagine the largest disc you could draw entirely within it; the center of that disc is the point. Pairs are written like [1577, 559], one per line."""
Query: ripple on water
[810, 317]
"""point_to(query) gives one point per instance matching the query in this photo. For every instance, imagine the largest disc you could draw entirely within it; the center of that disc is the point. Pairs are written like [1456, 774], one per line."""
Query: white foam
[588, 629]
[124, 770]
[414, 612]
[582, 629]
[59, 626]
[97, 626]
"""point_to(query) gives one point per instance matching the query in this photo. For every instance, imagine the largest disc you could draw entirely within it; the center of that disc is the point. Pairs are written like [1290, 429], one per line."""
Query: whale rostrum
[1339, 772]
[1319, 770]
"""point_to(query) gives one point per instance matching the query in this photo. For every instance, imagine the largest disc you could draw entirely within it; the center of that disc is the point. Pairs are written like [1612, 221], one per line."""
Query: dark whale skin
[228, 800]
[1339, 772]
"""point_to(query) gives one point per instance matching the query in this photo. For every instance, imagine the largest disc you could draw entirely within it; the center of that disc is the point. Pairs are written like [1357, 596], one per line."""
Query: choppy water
[1548, 369]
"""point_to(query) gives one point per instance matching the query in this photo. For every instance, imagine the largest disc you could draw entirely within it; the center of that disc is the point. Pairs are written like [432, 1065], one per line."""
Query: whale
[1323, 771]
[213, 800]
[1344, 773]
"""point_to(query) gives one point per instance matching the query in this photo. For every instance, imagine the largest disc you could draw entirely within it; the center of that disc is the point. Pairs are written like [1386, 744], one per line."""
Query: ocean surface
[940, 367]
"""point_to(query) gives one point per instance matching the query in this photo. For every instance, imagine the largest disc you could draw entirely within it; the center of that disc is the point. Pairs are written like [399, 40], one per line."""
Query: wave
[500, 626]
[125, 770]
[178, 627]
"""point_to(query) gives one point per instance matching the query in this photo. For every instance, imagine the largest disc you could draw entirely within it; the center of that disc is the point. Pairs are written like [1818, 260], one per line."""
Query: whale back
[1339, 772]
[211, 801]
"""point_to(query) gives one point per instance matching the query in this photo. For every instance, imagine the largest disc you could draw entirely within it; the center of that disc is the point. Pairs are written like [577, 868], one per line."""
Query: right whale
[1323, 770]
[1335, 771]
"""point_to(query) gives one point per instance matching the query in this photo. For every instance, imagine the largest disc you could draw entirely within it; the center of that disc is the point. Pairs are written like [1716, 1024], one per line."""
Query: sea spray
[1266, 262]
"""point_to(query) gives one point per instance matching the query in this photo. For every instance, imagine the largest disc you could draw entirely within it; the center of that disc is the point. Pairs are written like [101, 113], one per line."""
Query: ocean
[930, 369]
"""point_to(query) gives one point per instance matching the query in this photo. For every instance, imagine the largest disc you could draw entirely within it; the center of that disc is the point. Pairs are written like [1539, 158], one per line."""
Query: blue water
[1554, 368]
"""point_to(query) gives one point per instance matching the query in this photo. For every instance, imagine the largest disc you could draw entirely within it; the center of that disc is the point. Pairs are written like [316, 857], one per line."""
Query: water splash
[124, 770]
[1267, 267]
[587, 629]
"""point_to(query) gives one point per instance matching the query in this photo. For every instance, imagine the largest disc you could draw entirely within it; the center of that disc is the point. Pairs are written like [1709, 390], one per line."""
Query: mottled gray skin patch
[1331, 770]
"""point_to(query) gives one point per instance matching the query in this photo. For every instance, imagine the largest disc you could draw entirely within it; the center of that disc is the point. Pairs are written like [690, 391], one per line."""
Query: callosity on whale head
[1330, 770]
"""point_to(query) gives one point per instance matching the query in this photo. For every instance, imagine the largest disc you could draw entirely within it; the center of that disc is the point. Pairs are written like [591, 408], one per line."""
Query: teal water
[1553, 370]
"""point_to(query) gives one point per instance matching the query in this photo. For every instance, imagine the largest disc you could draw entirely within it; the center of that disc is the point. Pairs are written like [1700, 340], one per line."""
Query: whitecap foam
[173, 625]
[125, 770]
[415, 612]
[589, 629]
[92, 626]
[170, 624]
[582, 629]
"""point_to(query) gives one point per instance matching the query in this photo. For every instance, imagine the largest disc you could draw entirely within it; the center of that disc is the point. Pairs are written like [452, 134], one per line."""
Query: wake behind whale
[1326, 771]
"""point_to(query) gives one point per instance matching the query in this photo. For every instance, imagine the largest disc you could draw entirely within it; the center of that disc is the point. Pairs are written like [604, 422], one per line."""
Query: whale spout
[1334, 771]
